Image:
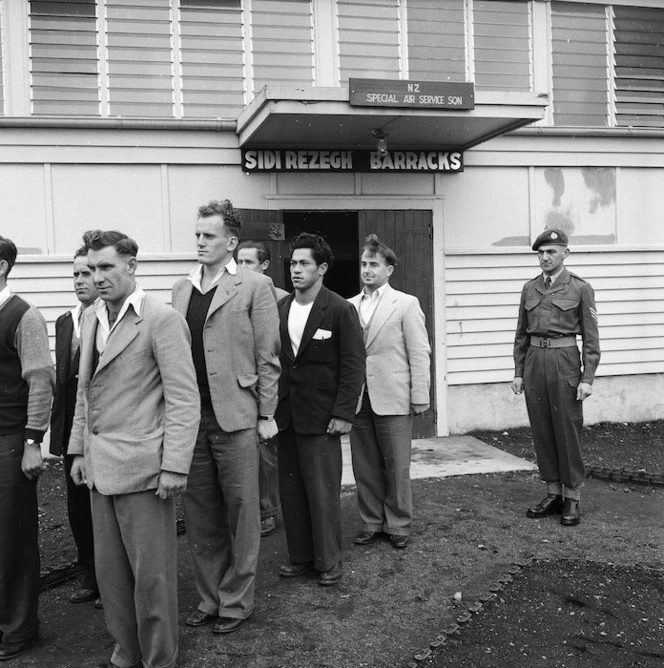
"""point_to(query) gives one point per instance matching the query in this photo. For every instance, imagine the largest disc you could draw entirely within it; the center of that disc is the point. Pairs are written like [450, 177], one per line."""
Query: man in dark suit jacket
[67, 353]
[323, 361]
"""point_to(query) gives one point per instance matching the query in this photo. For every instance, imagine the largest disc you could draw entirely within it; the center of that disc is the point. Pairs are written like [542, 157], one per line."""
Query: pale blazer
[241, 341]
[137, 414]
[398, 354]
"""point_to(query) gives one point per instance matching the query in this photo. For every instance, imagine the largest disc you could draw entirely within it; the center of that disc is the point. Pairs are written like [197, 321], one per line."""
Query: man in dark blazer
[67, 353]
[323, 361]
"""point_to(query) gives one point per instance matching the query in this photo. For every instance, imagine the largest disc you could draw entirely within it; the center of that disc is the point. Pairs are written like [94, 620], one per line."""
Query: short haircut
[80, 252]
[374, 246]
[97, 239]
[320, 249]
[262, 251]
[224, 209]
[8, 252]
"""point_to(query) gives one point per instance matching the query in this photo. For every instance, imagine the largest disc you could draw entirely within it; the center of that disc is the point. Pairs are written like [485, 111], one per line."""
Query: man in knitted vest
[26, 390]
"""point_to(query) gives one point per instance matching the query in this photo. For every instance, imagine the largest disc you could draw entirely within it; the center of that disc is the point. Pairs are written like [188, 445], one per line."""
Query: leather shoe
[293, 570]
[227, 625]
[331, 577]
[84, 595]
[398, 541]
[110, 664]
[551, 504]
[367, 537]
[10, 651]
[268, 526]
[571, 515]
[200, 618]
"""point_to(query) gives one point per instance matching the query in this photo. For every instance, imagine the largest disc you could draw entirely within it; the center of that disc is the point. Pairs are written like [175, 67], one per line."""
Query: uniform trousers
[380, 448]
[19, 549]
[268, 478]
[310, 470]
[136, 562]
[223, 518]
[80, 521]
[551, 376]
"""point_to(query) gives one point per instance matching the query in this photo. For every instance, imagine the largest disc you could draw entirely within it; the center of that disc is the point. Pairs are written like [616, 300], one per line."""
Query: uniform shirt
[566, 309]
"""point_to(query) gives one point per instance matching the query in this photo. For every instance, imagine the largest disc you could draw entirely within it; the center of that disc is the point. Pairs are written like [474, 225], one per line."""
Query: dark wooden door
[268, 227]
[410, 234]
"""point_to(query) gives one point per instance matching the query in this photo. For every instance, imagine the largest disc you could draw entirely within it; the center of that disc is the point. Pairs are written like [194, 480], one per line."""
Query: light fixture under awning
[323, 118]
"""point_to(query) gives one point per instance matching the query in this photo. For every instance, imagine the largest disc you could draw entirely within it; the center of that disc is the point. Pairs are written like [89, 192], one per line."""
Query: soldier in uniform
[555, 307]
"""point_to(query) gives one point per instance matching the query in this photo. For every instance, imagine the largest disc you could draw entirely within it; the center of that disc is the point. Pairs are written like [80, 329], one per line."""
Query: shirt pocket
[564, 313]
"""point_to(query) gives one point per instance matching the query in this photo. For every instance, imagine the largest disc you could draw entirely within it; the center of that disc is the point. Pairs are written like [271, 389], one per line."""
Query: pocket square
[322, 335]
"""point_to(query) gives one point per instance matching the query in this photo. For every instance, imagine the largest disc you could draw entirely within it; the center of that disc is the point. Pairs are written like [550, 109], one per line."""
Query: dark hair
[8, 252]
[97, 239]
[320, 249]
[262, 251]
[224, 209]
[374, 246]
[80, 252]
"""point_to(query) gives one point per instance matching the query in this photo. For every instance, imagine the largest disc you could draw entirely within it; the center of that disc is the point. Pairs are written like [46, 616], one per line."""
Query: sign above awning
[293, 118]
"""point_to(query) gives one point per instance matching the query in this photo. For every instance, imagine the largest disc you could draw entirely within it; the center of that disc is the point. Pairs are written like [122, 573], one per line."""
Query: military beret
[551, 238]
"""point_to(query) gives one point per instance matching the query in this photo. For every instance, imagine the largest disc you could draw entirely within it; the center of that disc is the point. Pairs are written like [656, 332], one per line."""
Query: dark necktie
[547, 283]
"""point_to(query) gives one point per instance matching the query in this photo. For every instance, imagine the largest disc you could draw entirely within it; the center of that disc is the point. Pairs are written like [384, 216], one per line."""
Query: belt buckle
[544, 343]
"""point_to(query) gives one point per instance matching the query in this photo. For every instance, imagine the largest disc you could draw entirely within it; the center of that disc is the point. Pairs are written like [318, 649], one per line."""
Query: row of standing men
[153, 401]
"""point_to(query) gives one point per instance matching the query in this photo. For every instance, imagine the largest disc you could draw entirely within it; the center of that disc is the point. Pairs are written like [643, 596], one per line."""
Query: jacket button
[95, 431]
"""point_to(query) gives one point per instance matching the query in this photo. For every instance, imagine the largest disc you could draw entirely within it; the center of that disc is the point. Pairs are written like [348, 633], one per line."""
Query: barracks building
[456, 130]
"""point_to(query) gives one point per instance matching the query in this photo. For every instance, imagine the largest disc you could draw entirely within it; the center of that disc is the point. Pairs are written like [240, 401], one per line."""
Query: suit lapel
[386, 307]
[227, 288]
[286, 346]
[314, 320]
[122, 335]
[182, 296]
[63, 353]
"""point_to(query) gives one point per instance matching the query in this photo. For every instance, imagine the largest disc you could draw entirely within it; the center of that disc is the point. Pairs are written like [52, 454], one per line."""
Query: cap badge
[554, 235]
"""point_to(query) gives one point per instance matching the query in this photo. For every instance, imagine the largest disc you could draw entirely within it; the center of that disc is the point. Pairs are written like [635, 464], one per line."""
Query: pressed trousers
[136, 563]
[551, 376]
[268, 478]
[223, 518]
[19, 549]
[310, 470]
[380, 449]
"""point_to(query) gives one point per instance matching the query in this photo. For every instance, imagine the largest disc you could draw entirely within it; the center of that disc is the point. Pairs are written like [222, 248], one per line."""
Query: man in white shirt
[232, 316]
[137, 413]
[397, 387]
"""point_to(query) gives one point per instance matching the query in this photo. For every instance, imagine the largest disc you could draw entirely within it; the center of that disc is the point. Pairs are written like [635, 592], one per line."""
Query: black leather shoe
[331, 577]
[227, 625]
[571, 515]
[398, 541]
[551, 504]
[367, 537]
[293, 570]
[10, 651]
[268, 526]
[200, 618]
[84, 595]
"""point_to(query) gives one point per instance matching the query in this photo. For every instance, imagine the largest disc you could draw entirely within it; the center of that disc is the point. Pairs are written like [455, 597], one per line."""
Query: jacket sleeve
[521, 339]
[267, 345]
[352, 363]
[172, 349]
[418, 351]
[590, 351]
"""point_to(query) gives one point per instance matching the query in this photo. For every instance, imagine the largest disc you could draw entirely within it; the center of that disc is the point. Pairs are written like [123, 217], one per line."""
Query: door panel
[267, 226]
[409, 235]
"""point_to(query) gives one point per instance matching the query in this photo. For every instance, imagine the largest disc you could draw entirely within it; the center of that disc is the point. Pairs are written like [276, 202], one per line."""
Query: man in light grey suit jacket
[397, 386]
[137, 412]
[232, 315]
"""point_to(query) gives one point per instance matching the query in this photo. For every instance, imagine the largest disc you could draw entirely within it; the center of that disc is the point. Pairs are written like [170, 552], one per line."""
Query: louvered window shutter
[282, 43]
[639, 66]
[140, 69]
[64, 58]
[368, 39]
[436, 40]
[580, 64]
[211, 56]
[501, 32]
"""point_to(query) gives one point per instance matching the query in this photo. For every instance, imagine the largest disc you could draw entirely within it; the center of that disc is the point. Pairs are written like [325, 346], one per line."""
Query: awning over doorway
[323, 118]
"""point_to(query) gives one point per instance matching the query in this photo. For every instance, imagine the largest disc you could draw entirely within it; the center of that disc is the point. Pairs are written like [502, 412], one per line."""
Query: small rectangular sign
[413, 94]
[350, 160]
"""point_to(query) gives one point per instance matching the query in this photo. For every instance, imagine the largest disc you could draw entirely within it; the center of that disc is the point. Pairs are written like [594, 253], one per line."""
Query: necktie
[547, 283]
